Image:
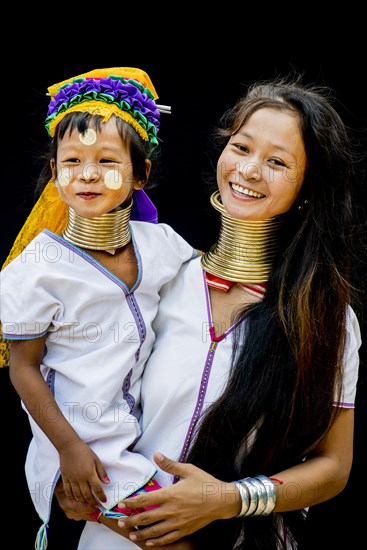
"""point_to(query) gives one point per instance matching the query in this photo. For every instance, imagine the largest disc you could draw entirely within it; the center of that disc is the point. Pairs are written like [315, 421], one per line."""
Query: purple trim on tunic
[139, 321]
[200, 400]
[202, 392]
[10, 336]
[140, 325]
[210, 319]
[130, 400]
[50, 381]
[205, 376]
[344, 405]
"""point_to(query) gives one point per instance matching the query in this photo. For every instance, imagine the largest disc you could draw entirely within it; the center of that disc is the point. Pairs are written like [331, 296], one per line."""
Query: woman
[253, 374]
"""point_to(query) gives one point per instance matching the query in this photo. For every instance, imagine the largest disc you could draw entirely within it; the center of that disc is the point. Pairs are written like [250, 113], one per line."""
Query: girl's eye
[107, 161]
[71, 161]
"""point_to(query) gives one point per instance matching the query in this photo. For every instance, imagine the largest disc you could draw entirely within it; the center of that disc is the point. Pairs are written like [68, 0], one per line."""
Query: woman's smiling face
[261, 170]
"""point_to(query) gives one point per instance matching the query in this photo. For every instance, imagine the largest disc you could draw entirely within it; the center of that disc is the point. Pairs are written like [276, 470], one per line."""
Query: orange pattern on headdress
[125, 72]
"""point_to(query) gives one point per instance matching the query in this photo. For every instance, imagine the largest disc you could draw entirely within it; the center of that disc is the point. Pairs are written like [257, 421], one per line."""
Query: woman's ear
[148, 167]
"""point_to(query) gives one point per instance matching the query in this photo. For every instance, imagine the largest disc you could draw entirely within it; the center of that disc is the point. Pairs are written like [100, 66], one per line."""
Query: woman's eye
[241, 147]
[277, 162]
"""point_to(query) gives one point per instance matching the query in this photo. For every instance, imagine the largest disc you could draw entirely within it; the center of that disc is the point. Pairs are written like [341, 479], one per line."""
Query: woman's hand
[185, 507]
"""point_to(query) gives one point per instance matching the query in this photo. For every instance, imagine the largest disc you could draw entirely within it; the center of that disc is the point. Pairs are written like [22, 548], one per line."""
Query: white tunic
[185, 373]
[99, 337]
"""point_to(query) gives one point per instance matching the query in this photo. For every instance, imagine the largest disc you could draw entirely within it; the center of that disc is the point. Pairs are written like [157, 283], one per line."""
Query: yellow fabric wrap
[49, 212]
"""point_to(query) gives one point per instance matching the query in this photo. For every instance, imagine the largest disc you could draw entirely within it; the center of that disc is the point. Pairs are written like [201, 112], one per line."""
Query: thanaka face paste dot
[113, 179]
[89, 137]
[63, 177]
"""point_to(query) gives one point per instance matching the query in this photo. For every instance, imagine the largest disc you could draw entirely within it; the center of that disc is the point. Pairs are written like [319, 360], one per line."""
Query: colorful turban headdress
[125, 92]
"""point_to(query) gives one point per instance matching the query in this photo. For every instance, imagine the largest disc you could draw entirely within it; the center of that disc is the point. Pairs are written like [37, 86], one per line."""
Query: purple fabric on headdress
[115, 89]
[143, 209]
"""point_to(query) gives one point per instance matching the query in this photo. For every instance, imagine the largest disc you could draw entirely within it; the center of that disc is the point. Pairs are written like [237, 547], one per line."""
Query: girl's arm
[198, 498]
[81, 469]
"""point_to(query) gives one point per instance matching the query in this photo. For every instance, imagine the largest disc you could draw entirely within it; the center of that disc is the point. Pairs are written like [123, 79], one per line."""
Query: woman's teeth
[244, 191]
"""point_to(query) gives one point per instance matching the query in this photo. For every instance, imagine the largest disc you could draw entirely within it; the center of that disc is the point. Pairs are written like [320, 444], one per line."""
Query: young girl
[79, 300]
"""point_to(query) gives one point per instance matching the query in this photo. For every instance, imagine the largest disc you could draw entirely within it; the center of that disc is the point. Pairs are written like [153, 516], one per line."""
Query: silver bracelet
[243, 490]
[258, 495]
[271, 494]
[254, 497]
[262, 496]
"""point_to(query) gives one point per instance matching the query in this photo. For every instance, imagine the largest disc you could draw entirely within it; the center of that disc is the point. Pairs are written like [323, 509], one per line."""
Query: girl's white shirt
[99, 336]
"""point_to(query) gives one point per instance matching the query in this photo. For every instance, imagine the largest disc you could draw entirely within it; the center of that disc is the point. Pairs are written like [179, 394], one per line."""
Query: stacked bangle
[258, 496]
[271, 494]
[244, 498]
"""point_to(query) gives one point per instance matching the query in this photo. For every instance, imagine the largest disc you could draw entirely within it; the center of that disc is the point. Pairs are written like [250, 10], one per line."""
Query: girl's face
[261, 170]
[94, 171]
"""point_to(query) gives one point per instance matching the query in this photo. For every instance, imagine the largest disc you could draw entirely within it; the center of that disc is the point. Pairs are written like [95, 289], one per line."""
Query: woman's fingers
[171, 466]
[152, 536]
[143, 519]
[144, 499]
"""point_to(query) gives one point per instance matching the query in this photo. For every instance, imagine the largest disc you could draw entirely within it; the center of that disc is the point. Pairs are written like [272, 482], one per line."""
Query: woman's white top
[99, 335]
[185, 373]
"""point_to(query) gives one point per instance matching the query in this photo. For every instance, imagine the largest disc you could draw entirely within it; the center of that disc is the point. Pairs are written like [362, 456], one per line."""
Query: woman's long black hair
[287, 363]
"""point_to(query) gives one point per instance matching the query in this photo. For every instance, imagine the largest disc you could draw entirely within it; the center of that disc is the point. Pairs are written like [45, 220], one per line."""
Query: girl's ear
[53, 169]
[140, 184]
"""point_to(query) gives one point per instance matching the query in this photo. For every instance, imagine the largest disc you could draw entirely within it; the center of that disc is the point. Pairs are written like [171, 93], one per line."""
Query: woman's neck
[245, 250]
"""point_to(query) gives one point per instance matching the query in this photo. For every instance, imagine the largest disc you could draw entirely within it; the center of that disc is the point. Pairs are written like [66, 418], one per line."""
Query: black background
[199, 71]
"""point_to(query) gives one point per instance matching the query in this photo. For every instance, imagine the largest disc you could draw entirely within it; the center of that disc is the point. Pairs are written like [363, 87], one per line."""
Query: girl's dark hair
[140, 150]
[287, 363]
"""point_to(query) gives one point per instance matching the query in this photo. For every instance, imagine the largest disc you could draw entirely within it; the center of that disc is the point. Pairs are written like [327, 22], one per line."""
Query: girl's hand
[82, 473]
[196, 500]
[72, 509]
